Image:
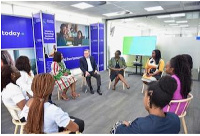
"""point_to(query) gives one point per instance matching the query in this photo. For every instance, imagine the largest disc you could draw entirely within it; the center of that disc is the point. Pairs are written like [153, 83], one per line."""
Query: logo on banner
[11, 33]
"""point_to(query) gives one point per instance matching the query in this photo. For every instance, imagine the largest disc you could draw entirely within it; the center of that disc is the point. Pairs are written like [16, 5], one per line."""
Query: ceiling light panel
[82, 5]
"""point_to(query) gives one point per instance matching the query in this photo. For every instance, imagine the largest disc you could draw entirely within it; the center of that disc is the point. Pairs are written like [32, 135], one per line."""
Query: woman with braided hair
[180, 69]
[44, 117]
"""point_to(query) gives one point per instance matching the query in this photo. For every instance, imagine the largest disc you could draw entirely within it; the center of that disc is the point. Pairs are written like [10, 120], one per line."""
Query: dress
[58, 70]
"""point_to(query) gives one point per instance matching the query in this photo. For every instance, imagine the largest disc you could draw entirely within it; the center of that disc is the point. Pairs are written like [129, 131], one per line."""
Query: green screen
[139, 45]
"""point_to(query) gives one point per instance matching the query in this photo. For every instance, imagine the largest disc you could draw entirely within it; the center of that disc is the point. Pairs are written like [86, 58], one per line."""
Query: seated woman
[63, 77]
[48, 118]
[154, 67]
[117, 66]
[157, 96]
[179, 68]
[10, 92]
[25, 81]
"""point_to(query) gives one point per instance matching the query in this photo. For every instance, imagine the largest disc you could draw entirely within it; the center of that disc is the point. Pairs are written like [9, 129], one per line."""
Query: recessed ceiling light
[82, 5]
[184, 26]
[169, 21]
[178, 15]
[181, 22]
[173, 24]
[163, 16]
[153, 8]
[114, 13]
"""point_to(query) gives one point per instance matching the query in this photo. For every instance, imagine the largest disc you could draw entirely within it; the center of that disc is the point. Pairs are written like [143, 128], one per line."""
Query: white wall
[172, 46]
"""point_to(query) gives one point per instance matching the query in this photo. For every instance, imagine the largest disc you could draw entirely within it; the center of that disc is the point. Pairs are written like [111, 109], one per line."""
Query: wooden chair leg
[143, 87]
[16, 129]
[109, 84]
[58, 94]
[22, 129]
[184, 125]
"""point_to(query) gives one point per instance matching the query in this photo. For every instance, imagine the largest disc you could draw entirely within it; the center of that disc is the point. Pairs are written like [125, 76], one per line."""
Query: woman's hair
[80, 33]
[119, 52]
[161, 91]
[6, 71]
[189, 60]
[57, 56]
[42, 86]
[6, 58]
[158, 55]
[183, 71]
[23, 64]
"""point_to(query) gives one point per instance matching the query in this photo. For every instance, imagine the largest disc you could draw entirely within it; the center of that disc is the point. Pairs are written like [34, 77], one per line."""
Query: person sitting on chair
[180, 69]
[117, 65]
[44, 117]
[63, 77]
[154, 67]
[158, 95]
[89, 68]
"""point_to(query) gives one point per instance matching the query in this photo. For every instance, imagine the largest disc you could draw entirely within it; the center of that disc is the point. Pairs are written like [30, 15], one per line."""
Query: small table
[137, 64]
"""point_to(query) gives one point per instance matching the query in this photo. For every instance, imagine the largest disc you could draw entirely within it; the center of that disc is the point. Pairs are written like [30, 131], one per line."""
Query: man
[89, 68]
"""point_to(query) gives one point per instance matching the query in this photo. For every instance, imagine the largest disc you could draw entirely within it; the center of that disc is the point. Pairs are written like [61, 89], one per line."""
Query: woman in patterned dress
[63, 77]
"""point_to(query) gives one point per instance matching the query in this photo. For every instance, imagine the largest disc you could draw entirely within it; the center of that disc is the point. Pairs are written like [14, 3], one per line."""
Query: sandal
[74, 95]
[64, 97]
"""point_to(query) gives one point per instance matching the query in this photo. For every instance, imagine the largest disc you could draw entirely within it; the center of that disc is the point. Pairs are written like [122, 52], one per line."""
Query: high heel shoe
[113, 88]
[128, 87]
[64, 97]
[74, 95]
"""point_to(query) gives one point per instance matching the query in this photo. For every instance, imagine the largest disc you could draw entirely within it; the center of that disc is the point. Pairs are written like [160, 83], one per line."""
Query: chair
[110, 83]
[15, 118]
[183, 113]
[84, 82]
[143, 86]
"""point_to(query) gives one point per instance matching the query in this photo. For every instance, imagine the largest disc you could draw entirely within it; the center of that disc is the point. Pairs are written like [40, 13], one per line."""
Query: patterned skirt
[65, 81]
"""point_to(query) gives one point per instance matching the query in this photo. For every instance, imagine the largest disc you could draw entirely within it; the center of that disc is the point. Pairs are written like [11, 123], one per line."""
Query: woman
[157, 96]
[63, 77]
[117, 66]
[62, 36]
[78, 39]
[6, 59]
[49, 117]
[10, 92]
[54, 50]
[179, 68]
[189, 60]
[154, 67]
[25, 81]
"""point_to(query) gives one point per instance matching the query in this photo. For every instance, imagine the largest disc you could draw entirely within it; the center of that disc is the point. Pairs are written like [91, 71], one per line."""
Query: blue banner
[48, 62]
[94, 43]
[48, 23]
[16, 32]
[198, 38]
[101, 47]
[38, 43]
[72, 55]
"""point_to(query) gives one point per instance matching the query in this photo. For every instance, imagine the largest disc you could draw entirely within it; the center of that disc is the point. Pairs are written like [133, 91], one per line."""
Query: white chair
[84, 82]
[183, 113]
[145, 86]
[110, 82]
[15, 118]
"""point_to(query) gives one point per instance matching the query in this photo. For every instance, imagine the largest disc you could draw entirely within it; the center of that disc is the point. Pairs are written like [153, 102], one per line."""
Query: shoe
[113, 88]
[64, 97]
[128, 87]
[99, 92]
[91, 91]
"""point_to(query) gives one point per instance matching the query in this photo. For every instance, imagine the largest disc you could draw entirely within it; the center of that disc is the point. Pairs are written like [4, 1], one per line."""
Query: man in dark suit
[89, 68]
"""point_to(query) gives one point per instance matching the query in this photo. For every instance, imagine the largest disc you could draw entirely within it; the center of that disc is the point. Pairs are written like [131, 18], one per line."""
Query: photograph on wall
[10, 56]
[69, 34]
[49, 49]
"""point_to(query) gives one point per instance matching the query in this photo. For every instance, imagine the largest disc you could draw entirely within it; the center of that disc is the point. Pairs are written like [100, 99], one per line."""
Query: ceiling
[135, 7]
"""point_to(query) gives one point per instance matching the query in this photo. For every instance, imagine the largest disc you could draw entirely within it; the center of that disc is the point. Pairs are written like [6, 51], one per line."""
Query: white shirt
[90, 69]
[25, 82]
[53, 117]
[11, 95]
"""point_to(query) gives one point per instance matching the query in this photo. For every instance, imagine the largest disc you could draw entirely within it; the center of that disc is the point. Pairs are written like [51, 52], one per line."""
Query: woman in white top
[10, 92]
[25, 81]
[48, 117]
